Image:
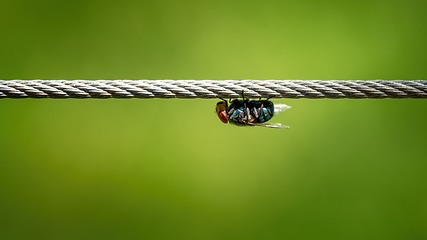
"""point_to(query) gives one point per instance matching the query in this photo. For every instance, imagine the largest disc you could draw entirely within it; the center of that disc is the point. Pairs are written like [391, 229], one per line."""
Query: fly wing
[280, 108]
[274, 125]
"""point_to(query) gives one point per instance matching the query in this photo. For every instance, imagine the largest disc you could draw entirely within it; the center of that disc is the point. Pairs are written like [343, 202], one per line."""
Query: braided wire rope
[213, 88]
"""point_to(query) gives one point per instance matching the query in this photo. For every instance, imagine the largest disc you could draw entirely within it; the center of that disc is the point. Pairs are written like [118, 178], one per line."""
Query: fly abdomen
[262, 110]
[265, 115]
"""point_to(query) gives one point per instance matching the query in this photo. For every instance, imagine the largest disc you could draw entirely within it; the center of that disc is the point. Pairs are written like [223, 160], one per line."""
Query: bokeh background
[168, 168]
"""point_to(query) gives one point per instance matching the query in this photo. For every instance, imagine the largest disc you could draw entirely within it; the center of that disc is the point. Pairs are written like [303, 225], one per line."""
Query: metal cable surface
[213, 88]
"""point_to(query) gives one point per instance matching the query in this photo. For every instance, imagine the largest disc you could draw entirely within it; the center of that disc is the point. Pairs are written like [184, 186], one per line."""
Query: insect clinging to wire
[246, 112]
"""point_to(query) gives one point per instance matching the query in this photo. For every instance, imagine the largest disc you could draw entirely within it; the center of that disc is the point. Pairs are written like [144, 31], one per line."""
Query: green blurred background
[169, 169]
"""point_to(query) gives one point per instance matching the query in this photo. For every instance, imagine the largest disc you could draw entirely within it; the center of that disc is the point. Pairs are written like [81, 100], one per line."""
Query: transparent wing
[273, 125]
[280, 108]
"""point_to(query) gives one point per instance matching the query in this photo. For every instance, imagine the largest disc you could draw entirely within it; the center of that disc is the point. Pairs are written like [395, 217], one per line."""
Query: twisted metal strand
[213, 88]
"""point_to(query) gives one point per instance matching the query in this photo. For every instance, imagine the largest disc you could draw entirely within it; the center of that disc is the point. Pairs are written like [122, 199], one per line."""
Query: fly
[246, 112]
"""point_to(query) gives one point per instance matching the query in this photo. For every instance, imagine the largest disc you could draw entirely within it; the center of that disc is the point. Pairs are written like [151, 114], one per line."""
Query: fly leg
[260, 110]
[221, 98]
[256, 114]
[246, 112]
[230, 112]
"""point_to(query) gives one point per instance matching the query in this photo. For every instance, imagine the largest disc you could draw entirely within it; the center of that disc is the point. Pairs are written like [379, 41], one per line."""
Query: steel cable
[213, 88]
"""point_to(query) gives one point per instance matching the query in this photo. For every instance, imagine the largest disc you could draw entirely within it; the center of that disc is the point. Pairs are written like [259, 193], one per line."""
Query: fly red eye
[223, 117]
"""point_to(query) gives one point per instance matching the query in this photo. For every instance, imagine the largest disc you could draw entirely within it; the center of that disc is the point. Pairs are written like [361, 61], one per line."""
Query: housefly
[246, 112]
